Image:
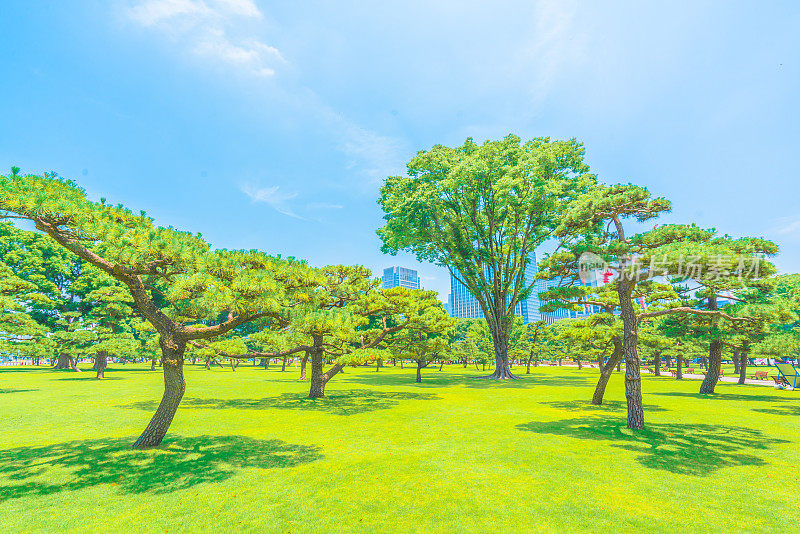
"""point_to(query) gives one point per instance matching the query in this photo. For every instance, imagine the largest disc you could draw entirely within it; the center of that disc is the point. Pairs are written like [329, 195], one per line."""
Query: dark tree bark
[657, 364]
[208, 364]
[319, 379]
[742, 367]
[234, 364]
[714, 365]
[73, 364]
[101, 363]
[502, 370]
[419, 372]
[580, 365]
[63, 361]
[303, 366]
[633, 380]
[174, 387]
[441, 365]
[736, 361]
[153, 364]
[283, 364]
[606, 370]
[679, 367]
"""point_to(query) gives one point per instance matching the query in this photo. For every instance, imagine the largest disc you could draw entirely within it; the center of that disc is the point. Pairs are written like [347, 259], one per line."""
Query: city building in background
[463, 305]
[400, 277]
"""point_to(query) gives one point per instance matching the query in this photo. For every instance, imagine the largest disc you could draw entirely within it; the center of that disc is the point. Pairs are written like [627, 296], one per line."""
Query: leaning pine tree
[594, 230]
[183, 288]
[481, 210]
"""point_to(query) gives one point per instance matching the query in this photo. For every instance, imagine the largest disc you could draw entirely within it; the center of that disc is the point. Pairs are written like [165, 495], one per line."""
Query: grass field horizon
[247, 451]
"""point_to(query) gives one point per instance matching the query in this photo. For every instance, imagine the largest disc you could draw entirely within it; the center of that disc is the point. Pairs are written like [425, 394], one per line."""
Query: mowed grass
[247, 452]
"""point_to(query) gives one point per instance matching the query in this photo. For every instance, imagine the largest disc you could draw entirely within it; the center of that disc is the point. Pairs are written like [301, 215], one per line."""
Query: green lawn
[247, 452]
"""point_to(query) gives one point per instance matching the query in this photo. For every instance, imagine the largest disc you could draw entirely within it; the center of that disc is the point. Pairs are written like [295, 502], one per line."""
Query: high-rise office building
[463, 304]
[400, 277]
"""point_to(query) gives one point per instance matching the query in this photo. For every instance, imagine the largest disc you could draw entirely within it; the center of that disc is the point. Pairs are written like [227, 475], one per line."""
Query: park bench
[760, 375]
[674, 372]
[787, 375]
[690, 370]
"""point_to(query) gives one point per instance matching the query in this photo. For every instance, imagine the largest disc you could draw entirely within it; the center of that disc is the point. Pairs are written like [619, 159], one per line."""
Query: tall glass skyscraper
[463, 304]
[400, 277]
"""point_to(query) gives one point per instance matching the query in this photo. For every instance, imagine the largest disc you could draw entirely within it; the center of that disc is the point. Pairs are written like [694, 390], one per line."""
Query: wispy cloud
[323, 206]
[226, 32]
[202, 27]
[788, 226]
[273, 197]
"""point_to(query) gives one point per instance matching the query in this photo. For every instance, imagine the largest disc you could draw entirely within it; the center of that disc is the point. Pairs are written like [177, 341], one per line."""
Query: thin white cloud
[323, 206]
[788, 226]
[272, 196]
[203, 27]
[223, 32]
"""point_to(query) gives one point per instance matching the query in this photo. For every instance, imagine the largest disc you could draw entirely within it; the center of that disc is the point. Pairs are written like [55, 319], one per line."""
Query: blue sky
[270, 125]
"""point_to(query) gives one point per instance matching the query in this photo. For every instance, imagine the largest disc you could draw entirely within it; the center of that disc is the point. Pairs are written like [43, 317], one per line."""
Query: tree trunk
[679, 367]
[319, 379]
[73, 364]
[234, 363]
[743, 367]
[303, 367]
[441, 365]
[633, 379]
[101, 363]
[63, 361]
[736, 361]
[419, 373]
[657, 364]
[194, 360]
[208, 364]
[502, 371]
[580, 366]
[174, 387]
[283, 365]
[714, 364]
[153, 364]
[606, 370]
[378, 365]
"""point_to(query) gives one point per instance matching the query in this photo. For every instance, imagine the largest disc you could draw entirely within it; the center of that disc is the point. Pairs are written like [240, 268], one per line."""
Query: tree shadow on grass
[793, 411]
[529, 381]
[723, 396]
[338, 403]
[90, 377]
[607, 406]
[177, 464]
[431, 377]
[13, 390]
[686, 449]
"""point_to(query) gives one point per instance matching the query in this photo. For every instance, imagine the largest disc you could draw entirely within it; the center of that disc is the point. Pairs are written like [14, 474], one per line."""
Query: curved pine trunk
[174, 387]
[419, 373]
[606, 371]
[736, 361]
[633, 378]
[714, 365]
[319, 379]
[679, 367]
